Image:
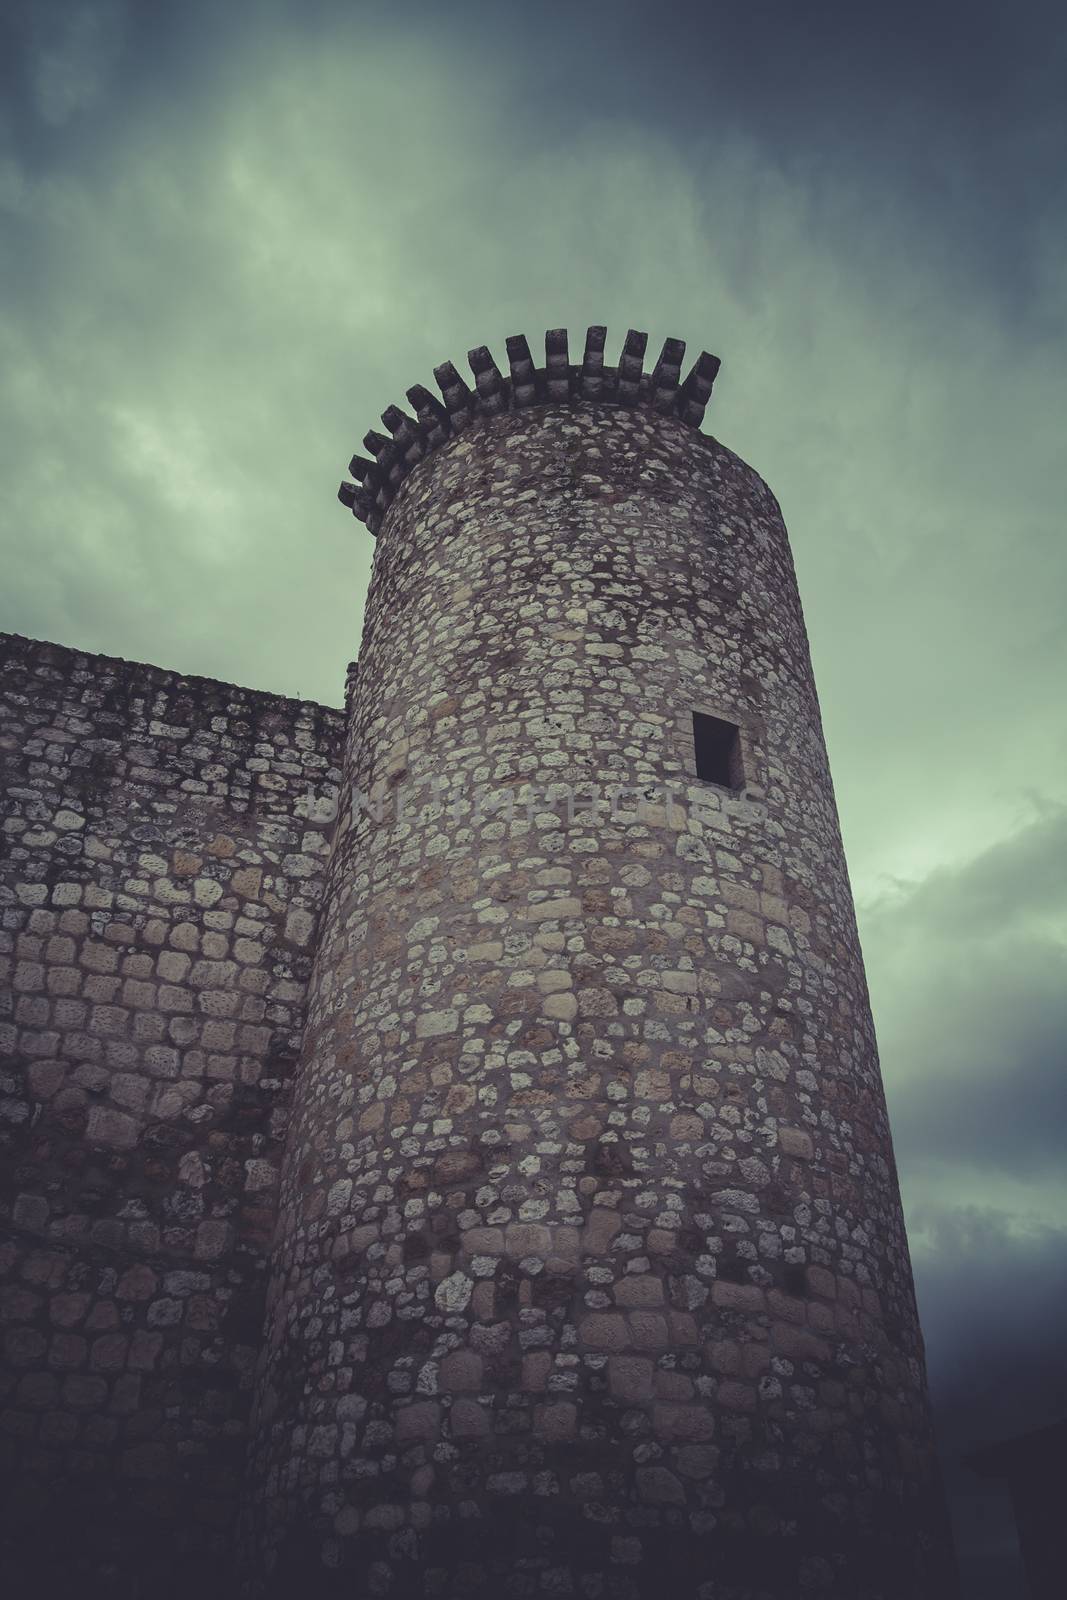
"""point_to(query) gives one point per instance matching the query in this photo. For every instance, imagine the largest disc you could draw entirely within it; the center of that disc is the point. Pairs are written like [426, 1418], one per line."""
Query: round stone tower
[590, 1276]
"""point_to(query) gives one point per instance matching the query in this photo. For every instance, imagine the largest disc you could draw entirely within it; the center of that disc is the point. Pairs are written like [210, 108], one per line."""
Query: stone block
[434, 1024]
[685, 1424]
[550, 910]
[606, 1330]
[483, 1241]
[696, 1460]
[734, 1396]
[31, 1211]
[737, 1296]
[630, 1378]
[454, 1292]
[657, 1486]
[417, 1423]
[461, 1370]
[600, 1229]
[108, 1353]
[593, 1002]
[113, 1128]
[536, 1370]
[469, 1420]
[745, 926]
[673, 1386]
[796, 1142]
[822, 1282]
[556, 1421]
[644, 1290]
[528, 1239]
[648, 1330]
[798, 1344]
[787, 1306]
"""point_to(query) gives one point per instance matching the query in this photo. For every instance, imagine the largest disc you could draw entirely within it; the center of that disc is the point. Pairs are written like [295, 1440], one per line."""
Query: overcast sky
[231, 234]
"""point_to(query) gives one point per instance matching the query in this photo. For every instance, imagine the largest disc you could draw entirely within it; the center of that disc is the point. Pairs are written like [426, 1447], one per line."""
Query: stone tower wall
[164, 842]
[590, 1274]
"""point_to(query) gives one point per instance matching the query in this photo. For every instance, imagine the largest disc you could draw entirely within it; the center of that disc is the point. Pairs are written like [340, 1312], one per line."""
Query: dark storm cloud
[1018, 885]
[993, 1295]
[960, 105]
[970, 979]
[256, 223]
[968, 971]
[997, 1094]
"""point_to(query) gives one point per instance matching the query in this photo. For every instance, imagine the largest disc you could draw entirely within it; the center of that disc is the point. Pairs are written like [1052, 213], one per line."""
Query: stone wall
[164, 841]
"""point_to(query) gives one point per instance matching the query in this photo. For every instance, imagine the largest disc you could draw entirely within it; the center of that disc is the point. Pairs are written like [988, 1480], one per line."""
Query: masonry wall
[164, 843]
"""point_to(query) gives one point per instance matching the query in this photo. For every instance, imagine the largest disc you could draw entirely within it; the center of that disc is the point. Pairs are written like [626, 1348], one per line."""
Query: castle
[444, 1147]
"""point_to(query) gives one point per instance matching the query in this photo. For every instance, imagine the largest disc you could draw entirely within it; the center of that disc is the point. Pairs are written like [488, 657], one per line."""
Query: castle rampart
[164, 845]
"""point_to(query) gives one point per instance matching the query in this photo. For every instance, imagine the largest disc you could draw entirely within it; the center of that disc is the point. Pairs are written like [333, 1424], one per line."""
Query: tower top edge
[390, 458]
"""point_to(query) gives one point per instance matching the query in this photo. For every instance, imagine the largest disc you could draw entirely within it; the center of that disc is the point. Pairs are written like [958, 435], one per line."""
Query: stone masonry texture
[445, 1148]
[164, 845]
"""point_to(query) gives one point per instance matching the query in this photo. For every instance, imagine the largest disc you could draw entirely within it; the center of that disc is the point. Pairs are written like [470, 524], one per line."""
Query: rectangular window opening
[717, 745]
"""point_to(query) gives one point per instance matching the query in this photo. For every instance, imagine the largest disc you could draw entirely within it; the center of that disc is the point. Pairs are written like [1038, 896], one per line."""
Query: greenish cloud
[231, 235]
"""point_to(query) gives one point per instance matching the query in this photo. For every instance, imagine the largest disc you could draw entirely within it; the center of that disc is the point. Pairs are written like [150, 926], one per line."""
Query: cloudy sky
[229, 235]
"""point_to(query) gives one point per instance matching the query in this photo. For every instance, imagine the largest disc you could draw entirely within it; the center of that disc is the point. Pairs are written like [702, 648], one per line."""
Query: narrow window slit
[717, 745]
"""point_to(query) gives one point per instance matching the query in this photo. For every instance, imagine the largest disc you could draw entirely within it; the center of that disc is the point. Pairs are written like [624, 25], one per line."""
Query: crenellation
[696, 392]
[631, 364]
[557, 368]
[666, 375]
[459, 402]
[407, 436]
[488, 381]
[592, 375]
[432, 415]
[521, 368]
[557, 383]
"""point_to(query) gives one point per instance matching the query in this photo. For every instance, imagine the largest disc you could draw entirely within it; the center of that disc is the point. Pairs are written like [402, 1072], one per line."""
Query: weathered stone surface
[556, 1422]
[150, 1077]
[420, 1421]
[433, 1023]
[796, 1142]
[454, 1293]
[463, 1369]
[631, 1377]
[469, 1420]
[658, 1487]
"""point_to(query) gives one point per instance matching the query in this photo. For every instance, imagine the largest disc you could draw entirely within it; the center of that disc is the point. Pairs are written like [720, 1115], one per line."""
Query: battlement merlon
[390, 458]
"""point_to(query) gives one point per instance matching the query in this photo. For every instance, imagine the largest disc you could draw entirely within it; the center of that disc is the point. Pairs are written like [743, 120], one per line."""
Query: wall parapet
[559, 382]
